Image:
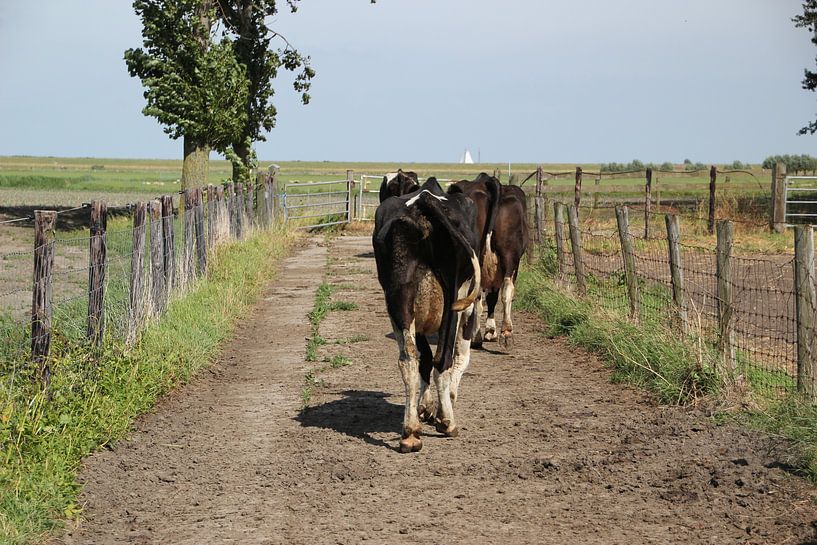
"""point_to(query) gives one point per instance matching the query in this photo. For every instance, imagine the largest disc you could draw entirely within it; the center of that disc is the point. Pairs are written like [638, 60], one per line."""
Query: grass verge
[96, 398]
[675, 369]
[652, 357]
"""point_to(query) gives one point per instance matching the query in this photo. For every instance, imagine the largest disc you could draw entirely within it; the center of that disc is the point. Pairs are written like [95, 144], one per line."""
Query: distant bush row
[794, 163]
[667, 166]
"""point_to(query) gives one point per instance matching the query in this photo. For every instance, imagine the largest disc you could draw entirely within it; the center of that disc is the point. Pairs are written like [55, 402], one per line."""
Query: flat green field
[54, 181]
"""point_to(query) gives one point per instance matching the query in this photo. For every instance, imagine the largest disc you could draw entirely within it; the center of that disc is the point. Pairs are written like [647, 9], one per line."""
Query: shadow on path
[358, 414]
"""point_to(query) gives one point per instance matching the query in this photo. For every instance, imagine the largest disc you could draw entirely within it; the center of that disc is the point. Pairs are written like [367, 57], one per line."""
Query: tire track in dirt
[549, 450]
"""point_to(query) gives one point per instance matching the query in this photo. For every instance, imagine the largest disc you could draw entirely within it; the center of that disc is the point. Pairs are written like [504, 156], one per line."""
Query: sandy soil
[549, 450]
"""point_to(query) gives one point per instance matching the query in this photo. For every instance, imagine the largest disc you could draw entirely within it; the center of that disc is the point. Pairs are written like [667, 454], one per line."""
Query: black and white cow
[424, 244]
[398, 183]
[502, 221]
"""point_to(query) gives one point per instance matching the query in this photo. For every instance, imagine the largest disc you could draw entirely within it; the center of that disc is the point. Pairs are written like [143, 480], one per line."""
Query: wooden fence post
[189, 268]
[623, 221]
[201, 239]
[211, 216]
[238, 209]
[576, 245]
[229, 202]
[806, 301]
[261, 199]
[577, 191]
[275, 181]
[647, 203]
[559, 236]
[538, 209]
[350, 183]
[96, 272]
[596, 183]
[713, 177]
[249, 206]
[45, 222]
[137, 273]
[223, 214]
[676, 270]
[157, 260]
[270, 190]
[726, 333]
[169, 239]
[778, 212]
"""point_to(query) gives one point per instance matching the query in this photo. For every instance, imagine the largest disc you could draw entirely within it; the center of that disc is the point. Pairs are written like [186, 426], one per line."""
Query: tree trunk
[196, 166]
[241, 171]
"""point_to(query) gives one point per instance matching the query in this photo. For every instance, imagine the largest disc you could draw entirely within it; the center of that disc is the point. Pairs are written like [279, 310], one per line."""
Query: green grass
[652, 357]
[322, 306]
[675, 369]
[97, 396]
[793, 419]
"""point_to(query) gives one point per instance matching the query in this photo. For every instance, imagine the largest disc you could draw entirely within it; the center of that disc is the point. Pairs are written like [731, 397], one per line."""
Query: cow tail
[432, 206]
[495, 189]
[468, 300]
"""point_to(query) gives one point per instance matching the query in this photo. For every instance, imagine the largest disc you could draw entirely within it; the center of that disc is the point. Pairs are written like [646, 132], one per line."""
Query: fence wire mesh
[139, 279]
[763, 328]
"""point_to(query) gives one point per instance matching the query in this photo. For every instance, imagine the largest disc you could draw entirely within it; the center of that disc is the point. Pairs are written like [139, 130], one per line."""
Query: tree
[808, 20]
[244, 21]
[193, 86]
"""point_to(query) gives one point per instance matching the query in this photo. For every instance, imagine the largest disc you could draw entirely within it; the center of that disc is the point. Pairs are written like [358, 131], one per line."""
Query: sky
[551, 81]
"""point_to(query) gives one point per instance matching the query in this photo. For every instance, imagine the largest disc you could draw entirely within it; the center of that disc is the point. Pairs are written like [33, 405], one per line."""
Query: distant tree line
[667, 166]
[794, 163]
[635, 164]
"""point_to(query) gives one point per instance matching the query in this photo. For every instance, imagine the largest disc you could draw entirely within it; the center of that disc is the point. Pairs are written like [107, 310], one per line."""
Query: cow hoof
[476, 343]
[412, 443]
[427, 414]
[447, 430]
[506, 342]
[490, 336]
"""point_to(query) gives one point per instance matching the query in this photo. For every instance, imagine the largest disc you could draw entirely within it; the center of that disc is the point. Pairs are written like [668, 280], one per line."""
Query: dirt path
[549, 450]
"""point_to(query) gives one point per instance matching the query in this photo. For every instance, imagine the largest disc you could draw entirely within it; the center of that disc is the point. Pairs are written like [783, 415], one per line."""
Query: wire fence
[100, 285]
[754, 310]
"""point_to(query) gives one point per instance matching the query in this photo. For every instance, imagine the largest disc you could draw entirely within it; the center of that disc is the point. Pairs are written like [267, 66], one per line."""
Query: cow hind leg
[462, 353]
[409, 364]
[428, 408]
[476, 342]
[449, 379]
[508, 292]
[491, 299]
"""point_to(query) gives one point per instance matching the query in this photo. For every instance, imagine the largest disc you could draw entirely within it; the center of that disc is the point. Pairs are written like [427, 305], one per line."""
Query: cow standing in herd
[424, 245]
[504, 211]
[435, 253]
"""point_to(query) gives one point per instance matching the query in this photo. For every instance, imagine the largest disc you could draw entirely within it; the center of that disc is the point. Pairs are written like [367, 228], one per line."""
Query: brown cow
[502, 220]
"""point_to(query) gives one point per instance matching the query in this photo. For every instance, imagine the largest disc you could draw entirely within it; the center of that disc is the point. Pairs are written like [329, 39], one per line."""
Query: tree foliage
[244, 22]
[808, 20]
[208, 66]
[194, 87]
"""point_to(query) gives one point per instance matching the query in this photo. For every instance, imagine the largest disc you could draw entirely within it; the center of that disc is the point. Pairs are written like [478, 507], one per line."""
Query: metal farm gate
[368, 195]
[320, 204]
[317, 204]
[801, 200]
